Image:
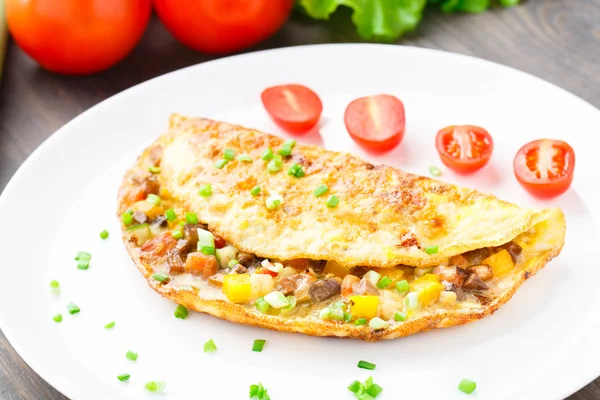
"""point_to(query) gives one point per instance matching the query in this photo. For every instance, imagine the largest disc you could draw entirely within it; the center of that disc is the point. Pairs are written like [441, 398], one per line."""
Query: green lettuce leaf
[384, 20]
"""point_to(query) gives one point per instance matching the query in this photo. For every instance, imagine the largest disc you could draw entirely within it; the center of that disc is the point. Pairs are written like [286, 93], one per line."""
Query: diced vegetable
[377, 323]
[360, 321]
[170, 215]
[180, 312]
[159, 276]
[429, 288]
[467, 386]
[123, 377]
[261, 285]
[205, 190]
[435, 171]
[286, 148]
[72, 308]
[395, 274]
[255, 191]
[296, 170]
[274, 200]
[325, 313]
[206, 242]
[244, 158]
[276, 299]
[369, 382]
[54, 286]
[402, 286]
[337, 269]
[411, 302]
[210, 346]
[273, 267]
[336, 312]
[83, 260]
[110, 325]
[432, 249]
[258, 345]
[237, 287]
[156, 386]
[57, 318]
[177, 234]
[267, 155]
[221, 163]
[275, 165]
[366, 365]
[332, 201]
[354, 386]
[373, 277]
[154, 170]
[201, 265]
[384, 282]
[229, 154]
[153, 199]
[150, 209]
[191, 218]
[225, 255]
[292, 301]
[132, 355]
[399, 316]
[447, 297]
[502, 263]
[419, 272]
[348, 284]
[388, 307]
[262, 305]
[364, 306]
[104, 234]
[259, 392]
[139, 234]
[321, 190]
[375, 390]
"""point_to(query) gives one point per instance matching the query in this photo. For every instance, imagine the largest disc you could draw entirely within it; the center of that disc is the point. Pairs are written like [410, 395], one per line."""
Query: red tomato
[376, 122]
[261, 270]
[219, 242]
[295, 108]
[545, 167]
[464, 148]
[77, 36]
[222, 26]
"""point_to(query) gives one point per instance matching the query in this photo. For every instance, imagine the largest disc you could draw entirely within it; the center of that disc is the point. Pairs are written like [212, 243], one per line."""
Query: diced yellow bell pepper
[394, 274]
[501, 263]
[151, 210]
[429, 288]
[337, 269]
[364, 306]
[237, 287]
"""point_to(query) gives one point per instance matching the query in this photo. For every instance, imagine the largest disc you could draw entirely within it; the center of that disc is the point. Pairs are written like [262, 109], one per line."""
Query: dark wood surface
[557, 40]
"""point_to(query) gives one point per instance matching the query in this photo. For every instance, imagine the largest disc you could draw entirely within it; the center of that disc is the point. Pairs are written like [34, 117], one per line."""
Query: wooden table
[557, 40]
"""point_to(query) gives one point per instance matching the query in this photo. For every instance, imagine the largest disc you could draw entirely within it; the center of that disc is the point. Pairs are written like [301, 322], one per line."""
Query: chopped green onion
[229, 154]
[57, 318]
[205, 190]
[321, 190]
[180, 312]
[210, 347]
[325, 313]
[104, 234]
[296, 170]
[109, 325]
[258, 345]
[132, 355]
[336, 313]
[467, 386]
[275, 165]
[221, 163]
[83, 260]
[232, 263]
[156, 386]
[171, 215]
[354, 387]
[432, 249]
[267, 155]
[185, 287]
[384, 282]
[127, 218]
[435, 171]
[54, 287]
[369, 382]
[402, 286]
[177, 234]
[332, 201]
[366, 365]
[366, 396]
[399, 316]
[153, 199]
[372, 277]
[276, 299]
[206, 242]
[154, 170]
[377, 323]
[411, 302]
[360, 321]
[123, 377]
[274, 201]
[347, 316]
[259, 392]
[262, 305]
[292, 301]
[375, 390]
[191, 218]
[244, 158]
[182, 223]
[286, 148]
[72, 308]
[255, 190]
[159, 276]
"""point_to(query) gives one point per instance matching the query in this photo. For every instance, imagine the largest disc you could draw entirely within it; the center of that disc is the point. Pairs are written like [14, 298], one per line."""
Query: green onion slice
[177, 234]
[210, 347]
[375, 390]
[123, 377]
[258, 345]
[221, 163]
[232, 263]
[255, 190]
[132, 355]
[321, 190]
[156, 386]
[72, 308]
[267, 155]
[399, 316]
[259, 392]
[244, 158]
[109, 325]
[159, 276]
[286, 148]
[180, 312]
[154, 170]
[354, 387]
[369, 382]
[467, 386]
[153, 199]
[170, 215]
[274, 201]
[411, 302]
[57, 318]
[402, 286]
[377, 323]
[332, 201]
[191, 218]
[229, 154]
[276, 299]
[206, 242]
[435, 171]
[205, 190]
[104, 234]
[54, 286]
[366, 365]
[83, 260]
[127, 218]
[262, 305]
[384, 282]
[275, 165]
[360, 321]
[296, 170]
[432, 249]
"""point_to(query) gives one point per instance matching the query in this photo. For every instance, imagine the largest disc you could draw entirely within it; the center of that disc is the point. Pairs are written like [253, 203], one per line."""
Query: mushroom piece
[365, 287]
[455, 275]
[474, 282]
[483, 271]
[324, 289]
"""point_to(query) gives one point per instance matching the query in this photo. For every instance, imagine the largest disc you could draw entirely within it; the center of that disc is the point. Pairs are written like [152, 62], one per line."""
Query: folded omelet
[253, 229]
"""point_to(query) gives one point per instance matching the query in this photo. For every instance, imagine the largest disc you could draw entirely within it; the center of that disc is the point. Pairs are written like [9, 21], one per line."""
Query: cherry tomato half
[376, 122]
[222, 26]
[77, 36]
[545, 167]
[464, 148]
[295, 108]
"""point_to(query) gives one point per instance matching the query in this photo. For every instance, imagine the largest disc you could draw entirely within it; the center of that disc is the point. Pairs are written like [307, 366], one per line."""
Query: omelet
[263, 231]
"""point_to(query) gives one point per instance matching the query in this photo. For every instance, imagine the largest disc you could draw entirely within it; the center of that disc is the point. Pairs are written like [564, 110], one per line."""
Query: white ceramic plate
[542, 344]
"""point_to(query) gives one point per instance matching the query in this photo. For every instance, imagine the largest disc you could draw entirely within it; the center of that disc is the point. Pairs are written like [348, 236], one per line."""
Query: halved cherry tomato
[261, 270]
[376, 122]
[219, 242]
[295, 108]
[464, 148]
[545, 167]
